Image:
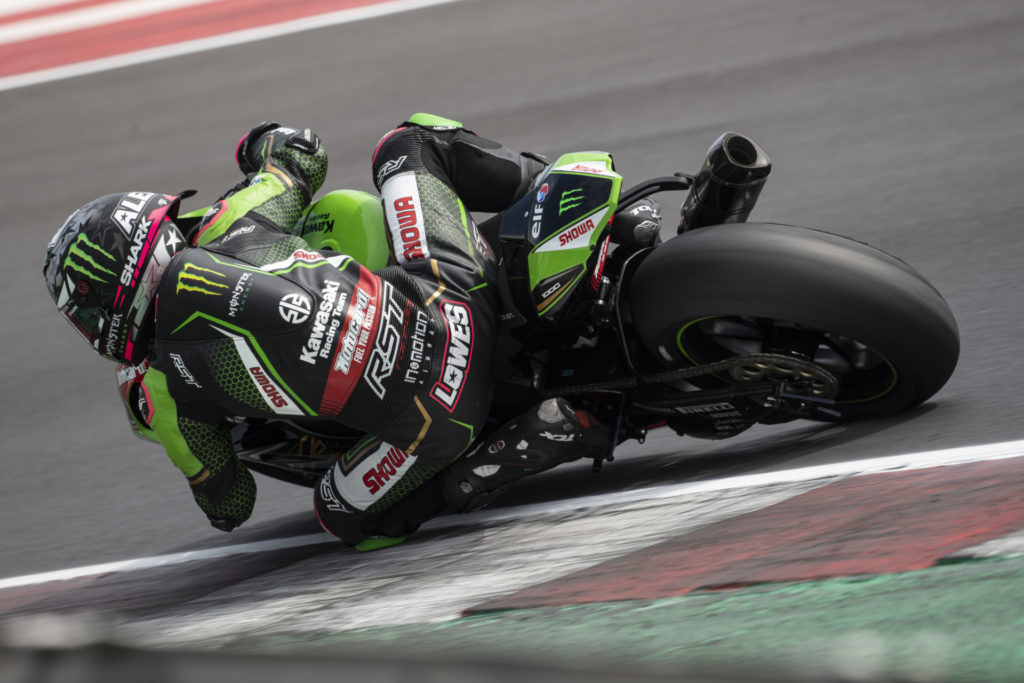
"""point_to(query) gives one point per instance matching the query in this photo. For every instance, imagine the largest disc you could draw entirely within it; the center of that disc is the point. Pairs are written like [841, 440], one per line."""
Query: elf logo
[457, 352]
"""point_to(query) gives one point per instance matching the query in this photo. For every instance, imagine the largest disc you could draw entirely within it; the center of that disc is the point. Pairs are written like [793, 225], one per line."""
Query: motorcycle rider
[237, 317]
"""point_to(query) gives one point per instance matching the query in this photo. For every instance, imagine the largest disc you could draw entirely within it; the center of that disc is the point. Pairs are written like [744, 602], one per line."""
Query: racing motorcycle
[724, 326]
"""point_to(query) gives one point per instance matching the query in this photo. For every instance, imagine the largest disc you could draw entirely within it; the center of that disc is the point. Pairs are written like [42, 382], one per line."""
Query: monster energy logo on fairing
[570, 199]
[81, 260]
[192, 279]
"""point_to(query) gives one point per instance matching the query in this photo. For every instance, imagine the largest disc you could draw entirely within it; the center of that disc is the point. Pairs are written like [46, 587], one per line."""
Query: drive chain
[748, 368]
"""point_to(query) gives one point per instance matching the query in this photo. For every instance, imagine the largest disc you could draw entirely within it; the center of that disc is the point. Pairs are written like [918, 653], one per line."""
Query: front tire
[870, 319]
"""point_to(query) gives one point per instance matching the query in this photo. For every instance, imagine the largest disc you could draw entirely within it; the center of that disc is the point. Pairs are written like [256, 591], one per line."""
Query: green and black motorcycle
[726, 325]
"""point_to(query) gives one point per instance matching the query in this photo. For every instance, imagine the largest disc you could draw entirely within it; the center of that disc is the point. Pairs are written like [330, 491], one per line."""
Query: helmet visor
[85, 315]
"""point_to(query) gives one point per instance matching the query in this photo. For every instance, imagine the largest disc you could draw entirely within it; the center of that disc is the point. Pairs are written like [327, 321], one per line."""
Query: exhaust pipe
[728, 184]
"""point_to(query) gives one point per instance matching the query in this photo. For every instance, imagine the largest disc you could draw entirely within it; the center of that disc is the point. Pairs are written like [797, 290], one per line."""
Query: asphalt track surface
[896, 122]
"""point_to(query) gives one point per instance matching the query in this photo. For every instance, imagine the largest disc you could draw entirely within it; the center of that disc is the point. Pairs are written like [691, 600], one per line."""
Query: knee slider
[336, 515]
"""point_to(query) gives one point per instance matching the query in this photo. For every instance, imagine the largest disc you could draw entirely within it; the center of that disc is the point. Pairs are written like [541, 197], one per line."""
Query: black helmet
[103, 266]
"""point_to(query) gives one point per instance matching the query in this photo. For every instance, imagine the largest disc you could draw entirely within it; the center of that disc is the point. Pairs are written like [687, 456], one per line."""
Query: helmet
[103, 267]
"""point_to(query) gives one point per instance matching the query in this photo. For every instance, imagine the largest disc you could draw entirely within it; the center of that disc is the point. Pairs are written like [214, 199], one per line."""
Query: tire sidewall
[809, 277]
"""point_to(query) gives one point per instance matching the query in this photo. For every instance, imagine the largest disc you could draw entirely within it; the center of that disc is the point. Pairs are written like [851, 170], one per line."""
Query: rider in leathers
[251, 322]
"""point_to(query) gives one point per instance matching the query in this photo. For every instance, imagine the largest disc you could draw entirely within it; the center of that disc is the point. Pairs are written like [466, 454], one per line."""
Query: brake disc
[802, 375]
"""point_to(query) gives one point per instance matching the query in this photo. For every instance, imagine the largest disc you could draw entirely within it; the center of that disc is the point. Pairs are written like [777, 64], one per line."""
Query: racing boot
[549, 434]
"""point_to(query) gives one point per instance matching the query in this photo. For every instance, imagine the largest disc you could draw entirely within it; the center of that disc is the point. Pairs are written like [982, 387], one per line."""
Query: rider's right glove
[226, 497]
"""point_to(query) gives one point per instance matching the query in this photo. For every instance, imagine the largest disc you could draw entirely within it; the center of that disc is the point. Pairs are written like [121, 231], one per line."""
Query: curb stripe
[24, 66]
[877, 524]
[18, 10]
[22, 30]
[928, 459]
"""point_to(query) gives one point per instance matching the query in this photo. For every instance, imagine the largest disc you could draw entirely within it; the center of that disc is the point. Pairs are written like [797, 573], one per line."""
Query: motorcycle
[726, 325]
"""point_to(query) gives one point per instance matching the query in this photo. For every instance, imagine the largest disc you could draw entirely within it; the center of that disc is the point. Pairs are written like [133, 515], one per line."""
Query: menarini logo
[83, 255]
[193, 278]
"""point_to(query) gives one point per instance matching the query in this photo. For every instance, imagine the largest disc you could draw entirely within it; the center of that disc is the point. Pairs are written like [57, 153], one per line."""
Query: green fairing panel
[433, 121]
[583, 193]
[348, 222]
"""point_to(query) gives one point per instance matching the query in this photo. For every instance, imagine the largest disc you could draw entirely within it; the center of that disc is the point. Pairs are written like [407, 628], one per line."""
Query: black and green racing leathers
[251, 322]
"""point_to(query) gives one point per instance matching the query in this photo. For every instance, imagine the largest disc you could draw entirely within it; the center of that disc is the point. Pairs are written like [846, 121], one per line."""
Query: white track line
[910, 461]
[214, 42]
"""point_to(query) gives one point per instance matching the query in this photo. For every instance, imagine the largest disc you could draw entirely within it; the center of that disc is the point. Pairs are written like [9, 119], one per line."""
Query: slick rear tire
[873, 321]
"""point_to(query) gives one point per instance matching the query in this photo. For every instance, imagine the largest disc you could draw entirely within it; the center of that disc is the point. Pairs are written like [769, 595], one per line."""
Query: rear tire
[867, 317]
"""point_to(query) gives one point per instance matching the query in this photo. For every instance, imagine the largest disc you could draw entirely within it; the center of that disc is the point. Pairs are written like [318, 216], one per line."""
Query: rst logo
[381, 363]
[389, 167]
[186, 376]
[458, 350]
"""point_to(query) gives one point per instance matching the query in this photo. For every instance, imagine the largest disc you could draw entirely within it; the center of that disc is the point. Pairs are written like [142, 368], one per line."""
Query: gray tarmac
[895, 122]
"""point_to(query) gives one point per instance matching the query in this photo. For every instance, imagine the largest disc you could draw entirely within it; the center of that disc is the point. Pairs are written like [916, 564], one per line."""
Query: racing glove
[252, 151]
[226, 497]
[248, 153]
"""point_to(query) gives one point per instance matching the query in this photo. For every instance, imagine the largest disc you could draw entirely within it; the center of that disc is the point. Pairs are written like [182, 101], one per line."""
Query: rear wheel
[868, 318]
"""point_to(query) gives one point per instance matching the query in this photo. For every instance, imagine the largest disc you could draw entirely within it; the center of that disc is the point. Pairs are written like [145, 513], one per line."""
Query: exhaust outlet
[728, 184]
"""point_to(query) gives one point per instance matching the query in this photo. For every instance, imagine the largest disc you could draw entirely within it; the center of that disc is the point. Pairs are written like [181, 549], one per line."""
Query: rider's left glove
[249, 154]
[226, 497]
[253, 149]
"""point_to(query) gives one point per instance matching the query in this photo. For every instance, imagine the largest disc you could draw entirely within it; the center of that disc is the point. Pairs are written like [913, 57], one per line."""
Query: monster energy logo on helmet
[82, 257]
[193, 278]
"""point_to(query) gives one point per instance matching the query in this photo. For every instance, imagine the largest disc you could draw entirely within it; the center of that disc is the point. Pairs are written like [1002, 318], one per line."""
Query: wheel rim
[863, 373]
